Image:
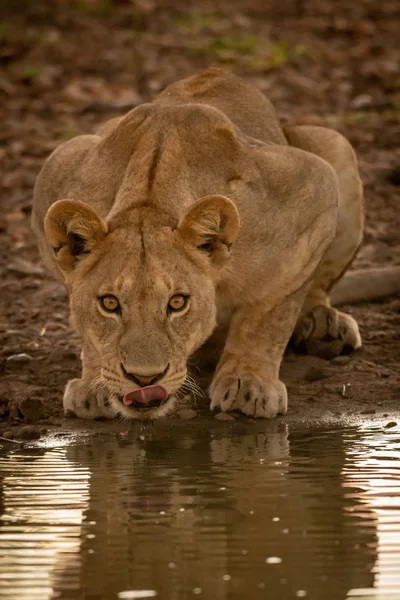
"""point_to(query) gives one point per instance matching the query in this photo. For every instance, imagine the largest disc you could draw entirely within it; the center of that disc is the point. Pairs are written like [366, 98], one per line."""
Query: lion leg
[247, 375]
[321, 329]
[83, 397]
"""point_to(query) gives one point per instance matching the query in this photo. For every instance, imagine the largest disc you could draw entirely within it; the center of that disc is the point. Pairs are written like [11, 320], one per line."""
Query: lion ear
[73, 229]
[211, 225]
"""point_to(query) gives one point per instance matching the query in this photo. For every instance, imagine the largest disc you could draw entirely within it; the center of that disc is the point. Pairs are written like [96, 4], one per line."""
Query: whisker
[191, 385]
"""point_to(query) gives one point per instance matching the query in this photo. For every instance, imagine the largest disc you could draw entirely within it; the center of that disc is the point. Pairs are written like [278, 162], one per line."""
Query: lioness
[196, 223]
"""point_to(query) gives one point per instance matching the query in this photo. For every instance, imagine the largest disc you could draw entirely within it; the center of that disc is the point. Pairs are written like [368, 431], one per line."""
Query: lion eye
[109, 303]
[177, 302]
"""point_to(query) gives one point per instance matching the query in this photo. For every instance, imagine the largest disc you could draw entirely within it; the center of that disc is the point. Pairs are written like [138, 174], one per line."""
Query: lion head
[142, 293]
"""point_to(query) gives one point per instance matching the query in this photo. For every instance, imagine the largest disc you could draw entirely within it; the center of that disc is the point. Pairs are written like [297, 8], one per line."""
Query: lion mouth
[145, 398]
[150, 405]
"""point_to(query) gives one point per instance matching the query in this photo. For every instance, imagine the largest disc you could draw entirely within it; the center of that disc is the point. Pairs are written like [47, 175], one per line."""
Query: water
[216, 515]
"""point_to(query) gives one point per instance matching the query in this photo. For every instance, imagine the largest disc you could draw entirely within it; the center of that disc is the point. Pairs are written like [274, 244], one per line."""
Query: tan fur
[365, 285]
[202, 193]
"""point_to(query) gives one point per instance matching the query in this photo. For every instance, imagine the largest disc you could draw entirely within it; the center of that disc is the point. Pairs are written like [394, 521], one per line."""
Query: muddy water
[217, 515]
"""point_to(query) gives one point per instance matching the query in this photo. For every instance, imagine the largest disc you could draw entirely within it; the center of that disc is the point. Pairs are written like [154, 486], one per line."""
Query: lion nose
[144, 380]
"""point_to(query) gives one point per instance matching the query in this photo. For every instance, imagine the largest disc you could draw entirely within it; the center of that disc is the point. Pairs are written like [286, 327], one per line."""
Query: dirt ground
[66, 66]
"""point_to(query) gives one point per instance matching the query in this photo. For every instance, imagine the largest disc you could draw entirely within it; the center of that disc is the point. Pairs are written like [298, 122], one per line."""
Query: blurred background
[68, 65]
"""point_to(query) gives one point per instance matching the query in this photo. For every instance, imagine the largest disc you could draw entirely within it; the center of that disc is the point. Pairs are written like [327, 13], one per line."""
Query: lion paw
[327, 333]
[80, 401]
[250, 394]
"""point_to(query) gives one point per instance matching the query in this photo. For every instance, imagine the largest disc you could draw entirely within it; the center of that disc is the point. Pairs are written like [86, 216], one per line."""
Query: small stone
[19, 358]
[390, 424]
[341, 360]
[223, 416]
[32, 408]
[370, 411]
[361, 101]
[28, 432]
[8, 435]
[273, 560]
[186, 414]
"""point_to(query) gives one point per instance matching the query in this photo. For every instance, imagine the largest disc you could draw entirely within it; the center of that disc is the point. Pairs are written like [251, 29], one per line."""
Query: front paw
[250, 394]
[327, 332]
[80, 400]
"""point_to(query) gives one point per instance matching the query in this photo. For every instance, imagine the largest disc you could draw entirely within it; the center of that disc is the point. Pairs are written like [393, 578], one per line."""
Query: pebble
[222, 416]
[390, 424]
[28, 432]
[341, 360]
[273, 560]
[361, 101]
[32, 408]
[186, 414]
[19, 358]
[8, 435]
[134, 594]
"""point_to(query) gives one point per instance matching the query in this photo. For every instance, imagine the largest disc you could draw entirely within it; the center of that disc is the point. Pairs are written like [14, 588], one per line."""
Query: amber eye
[109, 303]
[177, 303]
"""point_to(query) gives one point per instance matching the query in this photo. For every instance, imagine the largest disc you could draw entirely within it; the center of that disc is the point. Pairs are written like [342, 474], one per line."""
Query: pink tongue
[145, 395]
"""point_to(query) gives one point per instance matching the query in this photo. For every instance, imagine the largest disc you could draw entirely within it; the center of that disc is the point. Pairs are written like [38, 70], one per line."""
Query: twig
[11, 441]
